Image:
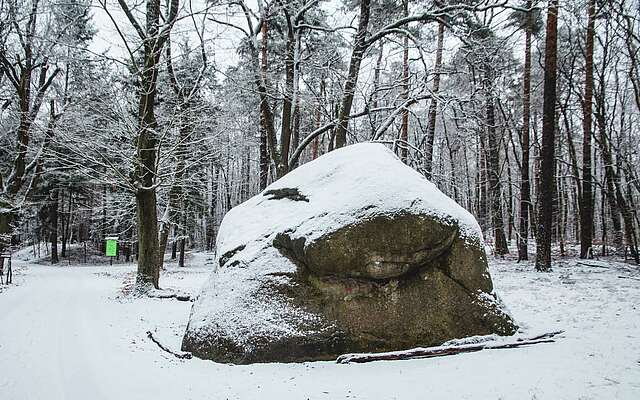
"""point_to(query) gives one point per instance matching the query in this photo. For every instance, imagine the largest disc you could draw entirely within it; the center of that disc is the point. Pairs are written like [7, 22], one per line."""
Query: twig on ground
[183, 355]
[439, 351]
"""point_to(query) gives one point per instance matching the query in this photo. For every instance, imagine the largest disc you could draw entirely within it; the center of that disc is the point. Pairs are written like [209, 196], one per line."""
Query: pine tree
[547, 169]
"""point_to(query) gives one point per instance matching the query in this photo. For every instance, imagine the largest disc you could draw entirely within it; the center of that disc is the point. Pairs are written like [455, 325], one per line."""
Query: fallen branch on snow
[586, 264]
[182, 354]
[611, 266]
[440, 351]
[629, 277]
[168, 294]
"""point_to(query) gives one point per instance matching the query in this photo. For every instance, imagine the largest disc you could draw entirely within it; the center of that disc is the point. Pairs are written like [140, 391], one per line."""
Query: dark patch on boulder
[286, 193]
[227, 256]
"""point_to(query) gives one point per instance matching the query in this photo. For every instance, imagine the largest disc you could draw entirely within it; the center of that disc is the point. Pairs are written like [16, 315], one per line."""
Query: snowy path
[64, 334]
[62, 321]
[63, 339]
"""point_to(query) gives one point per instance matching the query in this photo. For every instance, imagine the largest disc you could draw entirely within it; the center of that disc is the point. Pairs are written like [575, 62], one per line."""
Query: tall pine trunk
[352, 77]
[493, 158]
[53, 226]
[525, 184]
[264, 154]
[547, 186]
[433, 106]
[586, 206]
[404, 133]
[181, 258]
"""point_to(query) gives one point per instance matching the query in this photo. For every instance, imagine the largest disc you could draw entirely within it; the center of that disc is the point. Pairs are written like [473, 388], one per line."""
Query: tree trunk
[286, 126]
[610, 175]
[631, 215]
[53, 226]
[495, 186]
[482, 193]
[6, 219]
[433, 106]
[547, 187]
[103, 225]
[510, 222]
[259, 59]
[452, 162]
[629, 230]
[214, 205]
[181, 259]
[147, 214]
[264, 152]
[66, 220]
[148, 267]
[404, 130]
[174, 245]
[586, 209]
[525, 184]
[352, 77]
[617, 203]
[295, 134]
[603, 221]
[375, 95]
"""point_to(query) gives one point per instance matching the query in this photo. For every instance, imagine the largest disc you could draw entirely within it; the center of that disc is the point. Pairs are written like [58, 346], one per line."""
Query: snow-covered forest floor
[72, 332]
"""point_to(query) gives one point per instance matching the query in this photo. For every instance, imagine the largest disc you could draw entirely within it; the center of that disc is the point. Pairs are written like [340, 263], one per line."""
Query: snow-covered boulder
[353, 252]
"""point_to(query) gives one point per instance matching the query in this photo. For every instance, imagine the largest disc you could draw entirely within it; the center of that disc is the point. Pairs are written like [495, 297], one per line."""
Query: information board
[112, 247]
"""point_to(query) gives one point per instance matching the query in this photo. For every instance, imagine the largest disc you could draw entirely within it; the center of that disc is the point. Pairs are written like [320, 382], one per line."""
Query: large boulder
[352, 252]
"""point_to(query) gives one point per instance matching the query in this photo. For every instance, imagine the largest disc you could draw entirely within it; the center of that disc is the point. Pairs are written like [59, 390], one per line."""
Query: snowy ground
[68, 332]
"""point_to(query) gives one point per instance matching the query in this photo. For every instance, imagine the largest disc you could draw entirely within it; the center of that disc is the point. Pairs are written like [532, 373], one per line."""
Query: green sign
[112, 247]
